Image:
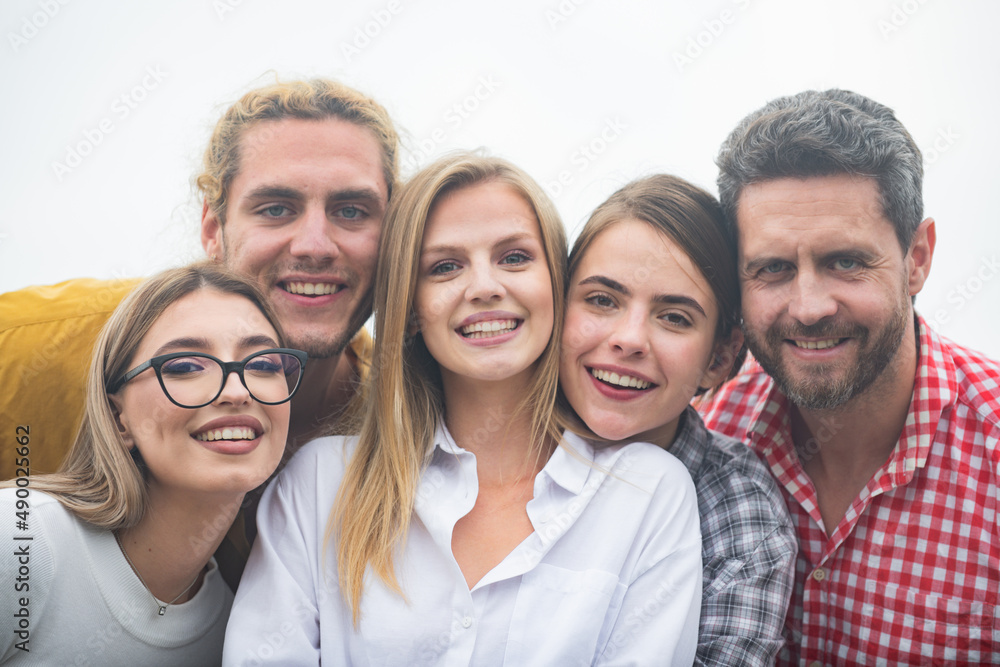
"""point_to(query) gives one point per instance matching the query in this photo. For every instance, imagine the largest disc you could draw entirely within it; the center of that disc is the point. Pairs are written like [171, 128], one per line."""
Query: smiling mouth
[311, 289]
[229, 433]
[489, 328]
[818, 344]
[622, 381]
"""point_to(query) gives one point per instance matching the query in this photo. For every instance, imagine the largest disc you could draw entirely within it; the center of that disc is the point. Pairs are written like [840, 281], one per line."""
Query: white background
[533, 81]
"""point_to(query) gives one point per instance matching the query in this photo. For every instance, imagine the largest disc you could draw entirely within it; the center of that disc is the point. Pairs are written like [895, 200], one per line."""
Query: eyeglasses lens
[191, 381]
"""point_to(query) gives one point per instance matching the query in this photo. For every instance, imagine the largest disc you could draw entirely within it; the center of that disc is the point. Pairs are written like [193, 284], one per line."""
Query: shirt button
[819, 574]
[467, 622]
[815, 663]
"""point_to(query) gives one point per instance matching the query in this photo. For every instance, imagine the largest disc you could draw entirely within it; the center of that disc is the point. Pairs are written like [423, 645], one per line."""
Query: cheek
[252, 258]
[581, 332]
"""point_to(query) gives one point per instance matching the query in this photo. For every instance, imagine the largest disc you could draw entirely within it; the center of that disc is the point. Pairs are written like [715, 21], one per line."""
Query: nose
[484, 283]
[811, 300]
[313, 236]
[233, 391]
[629, 336]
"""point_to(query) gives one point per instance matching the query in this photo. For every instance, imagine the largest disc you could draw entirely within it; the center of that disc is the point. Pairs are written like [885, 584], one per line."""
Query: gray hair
[824, 133]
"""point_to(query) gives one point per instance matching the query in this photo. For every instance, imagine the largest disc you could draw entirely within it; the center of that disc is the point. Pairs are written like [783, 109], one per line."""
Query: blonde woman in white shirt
[460, 527]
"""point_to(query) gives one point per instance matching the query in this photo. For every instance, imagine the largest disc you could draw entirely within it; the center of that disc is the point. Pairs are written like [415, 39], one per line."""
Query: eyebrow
[445, 248]
[280, 192]
[197, 344]
[666, 299]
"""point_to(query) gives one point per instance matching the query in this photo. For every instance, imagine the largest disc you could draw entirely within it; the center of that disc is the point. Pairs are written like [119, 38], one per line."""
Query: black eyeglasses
[194, 379]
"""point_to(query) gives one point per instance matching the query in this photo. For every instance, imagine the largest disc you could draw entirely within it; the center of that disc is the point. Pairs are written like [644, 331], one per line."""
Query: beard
[821, 386]
[325, 345]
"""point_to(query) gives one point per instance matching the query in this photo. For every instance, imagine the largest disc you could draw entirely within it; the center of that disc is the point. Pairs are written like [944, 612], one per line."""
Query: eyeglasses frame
[238, 367]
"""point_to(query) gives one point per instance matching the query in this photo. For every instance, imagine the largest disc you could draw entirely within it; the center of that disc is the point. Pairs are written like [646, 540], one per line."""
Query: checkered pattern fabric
[911, 575]
[748, 548]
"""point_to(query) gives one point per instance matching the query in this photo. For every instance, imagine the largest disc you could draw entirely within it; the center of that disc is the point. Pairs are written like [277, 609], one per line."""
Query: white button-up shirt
[610, 575]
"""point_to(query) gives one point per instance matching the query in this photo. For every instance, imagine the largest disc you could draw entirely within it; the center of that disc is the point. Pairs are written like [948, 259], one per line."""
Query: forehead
[641, 258]
[480, 212]
[324, 155]
[826, 207]
[220, 317]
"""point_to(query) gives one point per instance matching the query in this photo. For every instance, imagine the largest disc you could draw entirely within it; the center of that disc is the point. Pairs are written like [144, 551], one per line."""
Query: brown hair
[691, 218]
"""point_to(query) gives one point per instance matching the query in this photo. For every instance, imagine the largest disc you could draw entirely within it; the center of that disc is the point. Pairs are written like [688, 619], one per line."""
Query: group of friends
[543, 455]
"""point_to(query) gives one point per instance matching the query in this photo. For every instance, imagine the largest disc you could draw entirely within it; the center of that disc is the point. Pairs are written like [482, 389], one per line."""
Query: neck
[481, 418]
[327, 387]
[173, 542]
[842, 449]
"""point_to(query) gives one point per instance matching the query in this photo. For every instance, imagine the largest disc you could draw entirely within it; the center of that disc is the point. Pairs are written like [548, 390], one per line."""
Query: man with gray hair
[882, 434]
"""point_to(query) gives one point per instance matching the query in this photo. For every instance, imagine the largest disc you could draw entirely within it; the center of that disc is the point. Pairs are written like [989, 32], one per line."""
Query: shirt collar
[935, 391]
[571, 463]
[569, 466]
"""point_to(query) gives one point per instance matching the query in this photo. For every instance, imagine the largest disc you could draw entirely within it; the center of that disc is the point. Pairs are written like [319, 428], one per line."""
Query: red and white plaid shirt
[911, 574]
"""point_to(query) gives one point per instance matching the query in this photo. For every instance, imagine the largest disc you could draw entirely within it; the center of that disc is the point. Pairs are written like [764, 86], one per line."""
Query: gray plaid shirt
[748, 547]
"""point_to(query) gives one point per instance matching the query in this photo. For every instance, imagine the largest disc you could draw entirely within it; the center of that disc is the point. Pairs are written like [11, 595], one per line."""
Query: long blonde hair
[100, 481]
[371, 516]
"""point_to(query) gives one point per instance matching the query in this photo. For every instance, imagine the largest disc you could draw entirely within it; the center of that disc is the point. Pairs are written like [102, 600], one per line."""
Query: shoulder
[43, 516]
[316, 469]
[978, 379]
[729, 408]
[640, 463]
[733, 474]
[739, 501]
[65, 301]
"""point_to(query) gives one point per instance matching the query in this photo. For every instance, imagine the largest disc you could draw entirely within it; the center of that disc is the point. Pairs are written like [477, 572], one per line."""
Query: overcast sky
[107, 107]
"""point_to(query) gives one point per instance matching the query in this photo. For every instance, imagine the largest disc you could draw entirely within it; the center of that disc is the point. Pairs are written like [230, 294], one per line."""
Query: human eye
[846, 264]
[600, 300]
[676, 319]
[274, 211]
[181, 367]
[264, 364]
[351, 212]
[515, 258]
[444, 267]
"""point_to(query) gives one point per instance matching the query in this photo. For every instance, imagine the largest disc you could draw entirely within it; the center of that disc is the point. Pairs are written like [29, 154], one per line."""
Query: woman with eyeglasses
[187, 410]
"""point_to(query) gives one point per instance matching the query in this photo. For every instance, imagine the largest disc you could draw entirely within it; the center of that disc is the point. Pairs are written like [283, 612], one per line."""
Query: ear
[212, 239]
[723, 357]
[121, 422]
[918, 259]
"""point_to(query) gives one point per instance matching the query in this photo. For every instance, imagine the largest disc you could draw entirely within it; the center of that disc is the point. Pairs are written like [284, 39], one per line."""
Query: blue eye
[774, 267]
[516, 257]
[444, 267]
[275, 211]
[350, 213]
[846, 263]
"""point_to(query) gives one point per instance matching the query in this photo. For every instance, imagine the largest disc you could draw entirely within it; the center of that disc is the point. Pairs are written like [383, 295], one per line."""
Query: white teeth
[228, 433]
[621, 380]
[488, 329]
[818, 344]
[312, 289]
